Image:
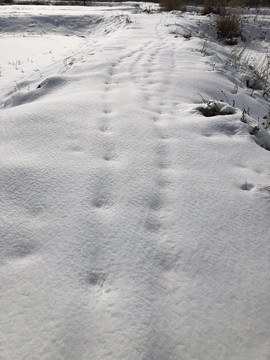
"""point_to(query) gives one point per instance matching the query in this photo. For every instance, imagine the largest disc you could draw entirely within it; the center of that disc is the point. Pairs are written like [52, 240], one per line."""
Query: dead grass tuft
[229, 28]
[214, 7]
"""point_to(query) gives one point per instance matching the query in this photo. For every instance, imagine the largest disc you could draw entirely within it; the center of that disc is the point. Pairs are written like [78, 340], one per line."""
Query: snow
[133, 227]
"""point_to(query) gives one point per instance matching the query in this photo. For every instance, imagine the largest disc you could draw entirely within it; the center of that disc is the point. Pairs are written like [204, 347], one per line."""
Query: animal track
[109, 154]
[247, 186]
[74, 148]
[16, 243]
[104, 128]
[17, 248]
[162, 164]
[102, 201]
[152, 224]
[166, 261]
[163, 136]
[95, 278]
[163, 182]
[107, 157]
[155, 202]
[23, 249]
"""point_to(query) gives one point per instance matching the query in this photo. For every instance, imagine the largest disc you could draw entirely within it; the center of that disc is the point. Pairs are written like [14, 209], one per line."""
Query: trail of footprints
[142, 65]
[147, 65]
[102, 193]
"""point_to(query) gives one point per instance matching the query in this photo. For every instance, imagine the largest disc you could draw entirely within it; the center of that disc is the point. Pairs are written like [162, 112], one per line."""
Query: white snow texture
[132, 226]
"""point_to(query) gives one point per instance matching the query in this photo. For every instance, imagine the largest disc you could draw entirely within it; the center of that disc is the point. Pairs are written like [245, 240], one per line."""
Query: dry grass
[261, 75]
[169, 5]
[237, 3]
[214, 7]
[229, 28]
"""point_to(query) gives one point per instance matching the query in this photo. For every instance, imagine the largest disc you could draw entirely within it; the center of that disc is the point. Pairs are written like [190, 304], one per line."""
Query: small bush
[214, 7]
[229, 28]
[236, 3]
[208, 7]
[261, 75]
[169, 5]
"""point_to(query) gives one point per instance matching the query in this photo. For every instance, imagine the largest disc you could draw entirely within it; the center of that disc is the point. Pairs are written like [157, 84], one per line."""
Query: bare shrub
[214, 7]
[261, 74]
[237, 3]
[208, 7]
[169, 5]
[229, 28]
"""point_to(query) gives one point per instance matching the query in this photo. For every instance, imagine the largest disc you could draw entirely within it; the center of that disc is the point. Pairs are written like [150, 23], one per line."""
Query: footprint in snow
[95, 278]
[17, 248]
[247, 186]
[152, 224]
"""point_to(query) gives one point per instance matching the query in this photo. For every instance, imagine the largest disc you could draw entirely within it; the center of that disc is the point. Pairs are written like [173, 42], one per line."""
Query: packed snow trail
[129, 231]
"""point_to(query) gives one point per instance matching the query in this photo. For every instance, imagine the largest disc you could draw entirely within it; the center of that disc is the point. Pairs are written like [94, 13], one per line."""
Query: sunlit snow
[132, 226]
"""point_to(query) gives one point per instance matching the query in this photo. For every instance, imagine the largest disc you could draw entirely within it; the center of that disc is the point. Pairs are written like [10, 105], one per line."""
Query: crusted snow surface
[132, 226]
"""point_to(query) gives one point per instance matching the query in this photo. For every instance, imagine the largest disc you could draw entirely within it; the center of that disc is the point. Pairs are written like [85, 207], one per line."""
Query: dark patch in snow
[102, 201]
[155, 202]
[166, 261]
[22, 249]
[163, 182]
[213, 108]
[16, 243]
[107, 158]
[95, 278]
[152, 224]
[19, 249]
[162, 164]
[247, 186]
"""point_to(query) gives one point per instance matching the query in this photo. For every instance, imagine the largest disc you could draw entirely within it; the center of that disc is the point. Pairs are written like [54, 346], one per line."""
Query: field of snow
[132, 226]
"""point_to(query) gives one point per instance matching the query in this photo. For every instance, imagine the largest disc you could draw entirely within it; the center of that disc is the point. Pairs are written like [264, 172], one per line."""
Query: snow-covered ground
[132, 226]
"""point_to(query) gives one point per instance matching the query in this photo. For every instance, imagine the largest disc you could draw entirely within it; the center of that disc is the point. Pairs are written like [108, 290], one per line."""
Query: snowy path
[127, 232]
